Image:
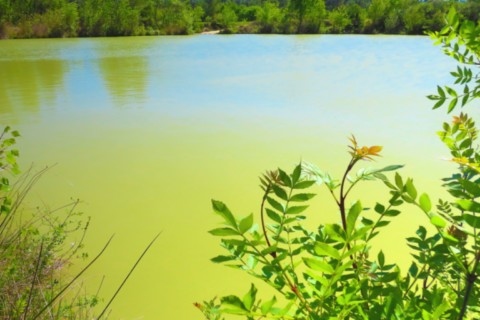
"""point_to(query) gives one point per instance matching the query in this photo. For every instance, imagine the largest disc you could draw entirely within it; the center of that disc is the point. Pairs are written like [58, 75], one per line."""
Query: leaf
[296, 173]
[440, 91]
[352, 216]
[273, 215]
[296, 209]
[245, 224]
[360, 233]
[269, 250]
[234, 301]
[441, 309]
[318, 265]
[279, 192]
[304, 184]
[382, 223]
[438, 221]
[451, 92]
[469, 205]
[389, 168]
[421, 232]
[398, 181]
[267, 305]
[224, 232]
[302, 197]
[387, 277]
[452, 104]
[465, 99]
[412, 192]
[249, 298]
[425, 203]
[220, 259]
[221, 209]
[407, 198]
[381, 259]
[275, 204]
[471, 220]
[285, 178]
[439, 103]
[471, 187]
[366, 222]
[413, 270]
[354, 250]
[324, 249]
[379, 208]
[335, 232]
[452, 17]
[447, 236]
[280, 313]
[392, 213]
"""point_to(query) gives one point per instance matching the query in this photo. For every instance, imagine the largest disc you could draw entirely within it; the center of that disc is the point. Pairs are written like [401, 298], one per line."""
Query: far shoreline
[211, 32]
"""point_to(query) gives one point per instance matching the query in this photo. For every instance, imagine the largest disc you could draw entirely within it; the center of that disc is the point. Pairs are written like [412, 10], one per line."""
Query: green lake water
[146, 130]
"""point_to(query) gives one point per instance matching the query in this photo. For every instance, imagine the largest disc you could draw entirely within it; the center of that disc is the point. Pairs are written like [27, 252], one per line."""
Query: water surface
[147, 130]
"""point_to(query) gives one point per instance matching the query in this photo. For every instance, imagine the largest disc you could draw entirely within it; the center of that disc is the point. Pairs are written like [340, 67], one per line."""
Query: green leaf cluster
[330, 272]
[459, 40]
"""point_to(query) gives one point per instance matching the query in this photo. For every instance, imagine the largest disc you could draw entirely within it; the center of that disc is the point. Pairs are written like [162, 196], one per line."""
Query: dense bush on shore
[91, 18]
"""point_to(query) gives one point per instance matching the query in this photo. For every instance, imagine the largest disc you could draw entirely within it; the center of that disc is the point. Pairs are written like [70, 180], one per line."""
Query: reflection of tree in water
[125, 77]
[27, 85]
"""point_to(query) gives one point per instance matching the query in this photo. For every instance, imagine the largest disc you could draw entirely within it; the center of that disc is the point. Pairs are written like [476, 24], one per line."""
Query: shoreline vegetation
[100, 18]
[38, 244]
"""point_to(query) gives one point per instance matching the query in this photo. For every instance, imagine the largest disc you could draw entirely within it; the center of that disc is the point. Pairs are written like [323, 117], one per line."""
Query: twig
[128, 275]
[30, 294]
[73, 280]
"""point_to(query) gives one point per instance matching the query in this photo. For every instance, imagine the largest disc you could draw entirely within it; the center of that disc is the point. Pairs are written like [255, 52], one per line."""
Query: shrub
[33, 250]
[330, 272]
[37, 247]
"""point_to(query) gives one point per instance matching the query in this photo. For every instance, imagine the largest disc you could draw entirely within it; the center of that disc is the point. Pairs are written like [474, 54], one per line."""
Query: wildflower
[365, 153]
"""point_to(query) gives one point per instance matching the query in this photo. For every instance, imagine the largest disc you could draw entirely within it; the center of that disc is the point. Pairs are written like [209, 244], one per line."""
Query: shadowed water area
[147, 130]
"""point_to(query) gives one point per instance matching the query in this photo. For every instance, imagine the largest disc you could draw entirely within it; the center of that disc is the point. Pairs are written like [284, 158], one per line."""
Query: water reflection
[125, 78]
[27, 85]
[124, 69]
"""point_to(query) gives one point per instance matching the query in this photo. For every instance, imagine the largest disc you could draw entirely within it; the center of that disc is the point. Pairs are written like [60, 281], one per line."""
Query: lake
[146, 130]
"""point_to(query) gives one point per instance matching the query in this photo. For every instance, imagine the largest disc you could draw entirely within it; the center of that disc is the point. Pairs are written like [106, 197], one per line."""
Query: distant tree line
[92, 18]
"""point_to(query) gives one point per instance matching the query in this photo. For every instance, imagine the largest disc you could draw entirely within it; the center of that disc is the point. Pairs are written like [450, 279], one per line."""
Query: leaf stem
[128, 275]
[471, 277]
[262, 217]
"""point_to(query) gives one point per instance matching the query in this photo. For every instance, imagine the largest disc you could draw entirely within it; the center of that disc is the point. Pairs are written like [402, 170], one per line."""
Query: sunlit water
[147, 130]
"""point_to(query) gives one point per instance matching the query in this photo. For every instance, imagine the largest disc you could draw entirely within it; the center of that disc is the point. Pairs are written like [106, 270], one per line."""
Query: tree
[270, 17]
[308, 15]
[339, 20]
[227, 17]
[357, 15]
[177, 17]
[377, 11]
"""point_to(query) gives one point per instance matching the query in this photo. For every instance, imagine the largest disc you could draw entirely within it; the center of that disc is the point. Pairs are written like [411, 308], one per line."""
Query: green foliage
[36, 248]
[339, 20]
[176, 17]
[330, 272]
[306, 15]
[227, 18]
[270, 18]
[33, 249]
[459, 40]
[70, 18]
